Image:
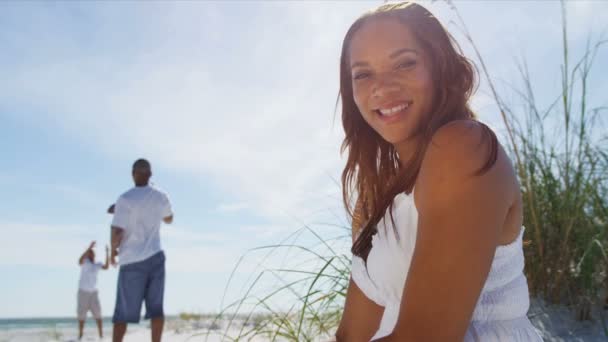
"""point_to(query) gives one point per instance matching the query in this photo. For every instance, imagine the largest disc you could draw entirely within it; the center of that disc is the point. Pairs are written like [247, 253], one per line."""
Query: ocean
[55, 329]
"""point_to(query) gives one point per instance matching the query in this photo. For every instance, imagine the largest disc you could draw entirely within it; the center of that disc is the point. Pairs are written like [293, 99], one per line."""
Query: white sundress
[500, 313]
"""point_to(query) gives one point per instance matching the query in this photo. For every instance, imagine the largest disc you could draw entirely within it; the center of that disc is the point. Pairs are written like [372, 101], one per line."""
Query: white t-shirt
[139, 212]
[88, 275]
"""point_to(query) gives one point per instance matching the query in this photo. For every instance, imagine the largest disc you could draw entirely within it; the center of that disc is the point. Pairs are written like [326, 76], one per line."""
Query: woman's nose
[384, 85]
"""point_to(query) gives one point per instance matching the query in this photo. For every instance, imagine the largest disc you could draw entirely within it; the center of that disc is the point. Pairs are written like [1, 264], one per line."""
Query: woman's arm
[460, 221]
[361, 316]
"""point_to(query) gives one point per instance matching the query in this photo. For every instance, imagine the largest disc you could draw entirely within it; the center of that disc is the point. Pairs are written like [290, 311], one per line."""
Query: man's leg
[129, 296]
[154, 295]
[118, 332]
[157, 328]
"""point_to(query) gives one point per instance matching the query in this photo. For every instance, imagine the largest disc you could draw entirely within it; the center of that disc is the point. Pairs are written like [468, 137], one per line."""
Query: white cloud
[249, 107]
[59, 246]
[191, 236]
[232, 207]
[47, 245]
[266, 136]
[254, 116]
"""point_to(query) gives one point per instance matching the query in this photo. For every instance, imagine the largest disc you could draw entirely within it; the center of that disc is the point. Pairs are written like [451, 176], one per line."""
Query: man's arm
[119, 224]
[115, 240]
[166, 211]
[86, 253]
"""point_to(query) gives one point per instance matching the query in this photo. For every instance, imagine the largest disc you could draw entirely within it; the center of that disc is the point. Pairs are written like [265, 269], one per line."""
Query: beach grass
[560, 152]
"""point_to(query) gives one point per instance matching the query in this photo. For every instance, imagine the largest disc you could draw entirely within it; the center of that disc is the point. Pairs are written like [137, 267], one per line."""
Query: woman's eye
[406, 64]
[361, 75]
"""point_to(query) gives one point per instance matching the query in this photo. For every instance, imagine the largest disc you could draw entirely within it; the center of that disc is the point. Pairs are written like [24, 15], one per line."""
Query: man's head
[142, 171]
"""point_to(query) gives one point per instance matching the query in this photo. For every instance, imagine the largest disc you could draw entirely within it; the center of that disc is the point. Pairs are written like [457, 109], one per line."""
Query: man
[88, 299]
[136, 241]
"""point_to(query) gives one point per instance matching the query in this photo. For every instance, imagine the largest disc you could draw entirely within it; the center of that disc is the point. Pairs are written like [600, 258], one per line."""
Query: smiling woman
[443, 262]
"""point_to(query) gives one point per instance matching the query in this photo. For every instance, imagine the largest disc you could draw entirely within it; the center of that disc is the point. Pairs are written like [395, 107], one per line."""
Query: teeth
[394, 110]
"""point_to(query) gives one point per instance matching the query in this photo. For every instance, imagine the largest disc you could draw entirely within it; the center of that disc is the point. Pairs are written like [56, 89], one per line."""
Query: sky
[234, 105]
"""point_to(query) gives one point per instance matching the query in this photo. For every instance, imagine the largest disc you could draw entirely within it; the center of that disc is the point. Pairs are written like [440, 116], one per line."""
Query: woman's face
[391, 78]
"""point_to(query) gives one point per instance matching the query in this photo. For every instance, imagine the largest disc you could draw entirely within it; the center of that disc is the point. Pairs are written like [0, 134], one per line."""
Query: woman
[437, 225]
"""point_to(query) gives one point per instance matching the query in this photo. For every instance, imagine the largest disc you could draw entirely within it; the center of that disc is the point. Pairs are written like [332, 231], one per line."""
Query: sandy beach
[175, 330]
[554, 323]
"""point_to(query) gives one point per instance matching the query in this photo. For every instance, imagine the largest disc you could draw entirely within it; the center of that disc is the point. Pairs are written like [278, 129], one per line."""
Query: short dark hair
[142, 165]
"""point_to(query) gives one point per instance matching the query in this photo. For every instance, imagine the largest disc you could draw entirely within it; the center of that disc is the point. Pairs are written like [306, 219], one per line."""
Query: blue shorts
[138, 282]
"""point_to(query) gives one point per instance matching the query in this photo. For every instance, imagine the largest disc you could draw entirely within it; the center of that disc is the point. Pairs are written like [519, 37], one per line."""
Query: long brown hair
[373, 170]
